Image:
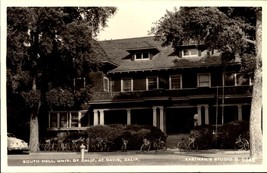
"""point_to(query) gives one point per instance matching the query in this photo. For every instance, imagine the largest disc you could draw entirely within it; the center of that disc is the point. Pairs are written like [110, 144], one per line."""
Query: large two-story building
[148, 84]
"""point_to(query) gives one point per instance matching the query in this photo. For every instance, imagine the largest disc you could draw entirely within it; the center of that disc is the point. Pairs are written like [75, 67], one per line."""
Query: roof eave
[143, 48]
[160, 69]
[110, 62]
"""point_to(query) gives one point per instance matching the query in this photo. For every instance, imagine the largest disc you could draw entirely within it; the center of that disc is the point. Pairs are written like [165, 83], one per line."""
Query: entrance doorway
[142, 116]
[179, 120]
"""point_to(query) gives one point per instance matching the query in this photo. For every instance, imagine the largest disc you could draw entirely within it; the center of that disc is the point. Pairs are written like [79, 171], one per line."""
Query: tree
[231, 30]
[47, 47]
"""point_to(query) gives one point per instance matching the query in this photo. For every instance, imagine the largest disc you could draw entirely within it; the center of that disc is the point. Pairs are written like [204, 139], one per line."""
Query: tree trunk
[34, 133]
[256, 104]
[34, 125]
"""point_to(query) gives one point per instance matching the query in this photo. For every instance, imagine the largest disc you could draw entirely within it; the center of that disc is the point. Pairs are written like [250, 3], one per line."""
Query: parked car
[16, 145]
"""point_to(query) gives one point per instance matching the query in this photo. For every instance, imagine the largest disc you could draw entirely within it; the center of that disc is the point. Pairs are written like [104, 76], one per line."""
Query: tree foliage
[47, 47]
[50, 46]
[231, 30]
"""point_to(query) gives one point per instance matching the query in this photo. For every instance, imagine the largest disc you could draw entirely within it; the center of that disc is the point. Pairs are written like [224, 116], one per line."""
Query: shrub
[203, 135]
[232, 130]
[76, 135]
[133, 133]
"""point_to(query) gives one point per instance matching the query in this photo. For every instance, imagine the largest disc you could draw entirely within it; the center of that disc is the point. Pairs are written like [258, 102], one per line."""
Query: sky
[134, 20]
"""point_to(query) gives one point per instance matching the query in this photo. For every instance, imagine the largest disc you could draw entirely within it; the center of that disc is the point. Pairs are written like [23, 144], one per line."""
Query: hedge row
[115, 132]
[232, 130]
[226, 137]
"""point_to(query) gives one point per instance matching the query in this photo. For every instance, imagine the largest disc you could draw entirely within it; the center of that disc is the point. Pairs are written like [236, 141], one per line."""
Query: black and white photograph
[137, 86]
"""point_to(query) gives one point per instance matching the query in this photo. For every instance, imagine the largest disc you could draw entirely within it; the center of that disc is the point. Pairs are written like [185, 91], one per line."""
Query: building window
[145, 55]
[152, 83]
[126, 85]
[138, 56]
[79, 83]
[189, 52]
[139, 84]
[175, 82]
[68, 119]
[53, 120]
[74, 119]
[63, 120]
[242, 80]
[163, 82]
[236, 79]
[116, 85]
[204, 80]
[141, 56]
[106, 84]
[229, 79]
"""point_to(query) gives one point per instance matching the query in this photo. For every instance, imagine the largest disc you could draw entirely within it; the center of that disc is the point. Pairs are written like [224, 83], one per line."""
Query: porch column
[70, 120]
[161, 117]
[58, 120]
[154, 116]
[206, 114]
[199, 115]
[49, 119]
[128, 116]
[102, 121]
[95, 117]
[79, 119]
[164, 121]
[239, 108]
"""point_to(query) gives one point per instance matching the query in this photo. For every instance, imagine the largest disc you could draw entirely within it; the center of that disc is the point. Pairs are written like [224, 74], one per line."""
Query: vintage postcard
[136, 86]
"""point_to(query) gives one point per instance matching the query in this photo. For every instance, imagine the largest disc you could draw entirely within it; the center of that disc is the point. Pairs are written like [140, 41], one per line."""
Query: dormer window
[145, 55]
[189, 52]
[141, 56]
[142, 53]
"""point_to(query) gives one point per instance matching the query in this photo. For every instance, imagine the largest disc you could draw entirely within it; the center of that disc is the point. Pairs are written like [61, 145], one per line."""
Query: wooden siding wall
[216, 78]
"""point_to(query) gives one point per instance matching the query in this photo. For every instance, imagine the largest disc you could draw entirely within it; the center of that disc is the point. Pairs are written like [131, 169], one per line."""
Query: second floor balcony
[188, 93]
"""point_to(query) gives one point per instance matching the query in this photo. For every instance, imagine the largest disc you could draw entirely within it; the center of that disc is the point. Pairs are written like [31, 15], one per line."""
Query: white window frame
[79, 78]
[250, 81]
[223, 77]
[56, 115]
[147, 88]
[198, 79]
[122, 84]
[190, 53]
[142, 56]
[170, 81]
[67, 125]
[104, 88]
[71, 118]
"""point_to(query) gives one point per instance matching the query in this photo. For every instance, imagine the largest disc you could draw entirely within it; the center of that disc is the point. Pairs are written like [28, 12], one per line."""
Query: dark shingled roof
[164, 59]
[98, 53]
[117, 49]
